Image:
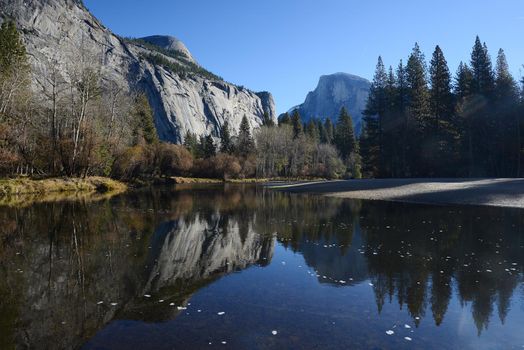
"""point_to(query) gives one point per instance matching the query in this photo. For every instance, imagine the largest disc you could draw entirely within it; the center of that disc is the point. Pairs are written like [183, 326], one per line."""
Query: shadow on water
[76, 274]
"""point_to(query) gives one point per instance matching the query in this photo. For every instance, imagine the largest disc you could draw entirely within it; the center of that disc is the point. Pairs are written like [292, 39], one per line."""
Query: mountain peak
[333, 92]
[342, 75]
[170, 43]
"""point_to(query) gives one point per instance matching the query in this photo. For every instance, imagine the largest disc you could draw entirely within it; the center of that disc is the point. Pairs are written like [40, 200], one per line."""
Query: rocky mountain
[183, 95]
[169, 43]
[334, 92]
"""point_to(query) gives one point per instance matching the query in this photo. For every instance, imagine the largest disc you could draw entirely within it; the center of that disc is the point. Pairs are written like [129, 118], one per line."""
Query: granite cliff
[334, 92]
[187, 98]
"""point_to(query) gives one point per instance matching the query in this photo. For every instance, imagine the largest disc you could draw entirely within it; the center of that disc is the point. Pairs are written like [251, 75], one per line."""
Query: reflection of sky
[283, 296]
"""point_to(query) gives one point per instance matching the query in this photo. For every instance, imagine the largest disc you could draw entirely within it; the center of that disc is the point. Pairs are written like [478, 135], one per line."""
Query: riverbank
[196, 180]
[28, 186]
[488, 192]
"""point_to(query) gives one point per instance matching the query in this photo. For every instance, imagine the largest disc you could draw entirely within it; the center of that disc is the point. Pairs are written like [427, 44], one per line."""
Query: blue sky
[284, 46]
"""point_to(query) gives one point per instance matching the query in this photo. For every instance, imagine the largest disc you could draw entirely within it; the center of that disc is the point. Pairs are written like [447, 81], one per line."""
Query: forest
[419, 122]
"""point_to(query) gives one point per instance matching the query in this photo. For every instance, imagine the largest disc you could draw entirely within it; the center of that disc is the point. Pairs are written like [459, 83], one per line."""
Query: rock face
[334, 92]
[56, 30]
[170, 43]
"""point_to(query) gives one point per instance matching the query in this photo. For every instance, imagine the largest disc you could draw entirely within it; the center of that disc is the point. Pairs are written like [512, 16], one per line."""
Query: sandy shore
[491, 192]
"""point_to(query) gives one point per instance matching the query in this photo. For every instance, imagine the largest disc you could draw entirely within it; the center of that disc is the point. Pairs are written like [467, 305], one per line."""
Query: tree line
[72, 120]
[421, 121]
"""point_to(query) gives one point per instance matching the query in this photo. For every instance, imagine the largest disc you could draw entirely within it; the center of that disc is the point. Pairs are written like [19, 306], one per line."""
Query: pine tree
[463, 90]
[463, 82]
[369, 152]
[312, 131]
[296, 121]
[507, 120]
[520, 130]
[14, 68]
[209, 147]
[144, 126]
[226, 144]
[191, 143]
[345, 140]
[441, 130]
[374, 114]
[322, 132]
[245, 144]
[483, 78]
[330, 130]
[483, 126]
[12, 49]
[506, 87]
[441, 102]
[418, 94]
[402, 98]
[390, 128]
[418, 111]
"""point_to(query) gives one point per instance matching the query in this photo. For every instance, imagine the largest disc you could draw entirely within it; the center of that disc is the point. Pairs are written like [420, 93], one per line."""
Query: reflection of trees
[422, 249]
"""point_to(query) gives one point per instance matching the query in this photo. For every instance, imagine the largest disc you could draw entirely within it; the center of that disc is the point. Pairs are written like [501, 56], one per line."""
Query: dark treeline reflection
[414, 255]
[58, 261]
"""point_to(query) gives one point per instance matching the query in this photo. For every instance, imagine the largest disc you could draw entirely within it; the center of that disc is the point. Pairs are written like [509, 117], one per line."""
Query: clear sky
[284, 46]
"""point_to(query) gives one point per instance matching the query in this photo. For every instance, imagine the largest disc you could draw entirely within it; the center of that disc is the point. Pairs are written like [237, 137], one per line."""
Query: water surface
[245, 268]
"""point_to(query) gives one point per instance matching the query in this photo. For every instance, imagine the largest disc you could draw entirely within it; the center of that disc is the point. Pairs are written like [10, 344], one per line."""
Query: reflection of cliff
[58, 261]
[199, 249]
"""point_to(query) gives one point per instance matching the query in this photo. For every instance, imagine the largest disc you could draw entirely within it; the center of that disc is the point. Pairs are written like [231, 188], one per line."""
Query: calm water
[244, 268]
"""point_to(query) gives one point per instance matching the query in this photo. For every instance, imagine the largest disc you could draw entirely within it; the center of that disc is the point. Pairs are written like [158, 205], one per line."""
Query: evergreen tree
[226, 144]
[345, 140]
[483, 126]
[284, 119]
[330, 131]
[312, 130]
[245, 144]
[441, 102]
[12, 49]
[144, 126]
[418, 94]
[463, 82]
[418, 112]
[402, 98]
[483, 78]
[506, 87]
[520, 130]
[191, 143]
[296, 121]
[506, 123]
[267, 120]
[441, 130]
[14, 68]
[322, 132]
[207, 147]
[465, 111]
[374, 114]
[390, 128]
[369, 151]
